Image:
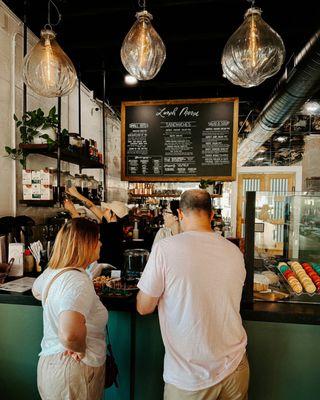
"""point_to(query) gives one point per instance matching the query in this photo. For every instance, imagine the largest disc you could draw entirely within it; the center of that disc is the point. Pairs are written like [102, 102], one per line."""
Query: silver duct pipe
[302, 82]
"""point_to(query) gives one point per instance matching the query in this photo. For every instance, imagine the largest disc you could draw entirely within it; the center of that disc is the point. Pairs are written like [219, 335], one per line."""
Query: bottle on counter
[135, 232]
[28, 262]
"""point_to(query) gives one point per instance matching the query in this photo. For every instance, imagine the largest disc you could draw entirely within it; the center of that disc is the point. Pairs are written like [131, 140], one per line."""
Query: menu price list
[215, 144]
[144, 165]
[177, 140]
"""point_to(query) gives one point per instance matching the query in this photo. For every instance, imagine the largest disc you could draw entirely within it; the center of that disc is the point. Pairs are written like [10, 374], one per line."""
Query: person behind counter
[171, 222]
[110, 217]
[196, 279]
[73, 348]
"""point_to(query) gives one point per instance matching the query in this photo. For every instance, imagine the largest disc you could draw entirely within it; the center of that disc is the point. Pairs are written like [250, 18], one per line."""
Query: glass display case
[284, 257]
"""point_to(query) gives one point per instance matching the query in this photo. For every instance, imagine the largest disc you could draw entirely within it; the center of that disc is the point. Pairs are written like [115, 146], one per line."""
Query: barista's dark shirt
[111, 237]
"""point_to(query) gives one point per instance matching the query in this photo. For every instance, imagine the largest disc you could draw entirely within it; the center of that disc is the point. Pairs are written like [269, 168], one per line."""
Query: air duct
[292, 92]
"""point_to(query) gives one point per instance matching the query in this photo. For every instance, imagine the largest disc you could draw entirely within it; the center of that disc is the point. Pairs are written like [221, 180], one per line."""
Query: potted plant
[207, 184]
[36, 127]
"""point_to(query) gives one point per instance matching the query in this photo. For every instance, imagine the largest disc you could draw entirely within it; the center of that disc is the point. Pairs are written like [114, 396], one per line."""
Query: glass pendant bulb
[253, 53]
[143, 51]
[47, 70]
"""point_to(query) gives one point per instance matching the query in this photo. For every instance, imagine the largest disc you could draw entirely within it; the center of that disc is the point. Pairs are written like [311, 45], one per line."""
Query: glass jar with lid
[69, 179]
[90, 184]
[135, 261]
[84, 186]
[78, 182]
[53, 171]
[93, 188]
[62, 184]
[73, 141]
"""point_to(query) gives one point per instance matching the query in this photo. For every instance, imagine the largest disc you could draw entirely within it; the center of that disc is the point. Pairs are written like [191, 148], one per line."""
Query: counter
[283, 356]
[258, 311]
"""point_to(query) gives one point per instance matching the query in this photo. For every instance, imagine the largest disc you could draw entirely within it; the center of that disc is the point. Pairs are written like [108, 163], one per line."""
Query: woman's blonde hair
[75, 243]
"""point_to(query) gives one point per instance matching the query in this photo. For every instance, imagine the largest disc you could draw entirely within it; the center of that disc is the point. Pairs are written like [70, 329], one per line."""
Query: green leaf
[8, 149]
[15, 117]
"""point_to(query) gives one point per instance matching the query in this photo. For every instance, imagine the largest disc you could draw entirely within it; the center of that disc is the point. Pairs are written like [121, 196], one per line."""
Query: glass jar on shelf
[78, 183]
[53, 171]
[73, 142]
[69, 179]
[90, 184]
[94, 189]
[62, 183]
[84, 186]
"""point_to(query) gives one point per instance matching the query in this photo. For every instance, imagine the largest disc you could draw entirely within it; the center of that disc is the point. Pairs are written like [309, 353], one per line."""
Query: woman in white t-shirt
[73, 348]
[171, 222]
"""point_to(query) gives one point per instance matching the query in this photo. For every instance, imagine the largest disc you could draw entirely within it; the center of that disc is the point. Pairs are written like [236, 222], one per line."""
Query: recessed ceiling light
[130, 80]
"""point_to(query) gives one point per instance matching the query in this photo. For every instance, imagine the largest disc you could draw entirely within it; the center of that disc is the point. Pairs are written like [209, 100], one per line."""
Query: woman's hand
[73, 192]
[69, 206]
[76, 356]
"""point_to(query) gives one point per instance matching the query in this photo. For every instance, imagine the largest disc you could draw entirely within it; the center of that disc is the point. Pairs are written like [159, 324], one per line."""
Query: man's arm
[146, 304]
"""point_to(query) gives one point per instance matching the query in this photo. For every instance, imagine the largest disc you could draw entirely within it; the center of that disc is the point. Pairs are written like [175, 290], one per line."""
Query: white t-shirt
[199, 278]
[162, 234]
[72, 291]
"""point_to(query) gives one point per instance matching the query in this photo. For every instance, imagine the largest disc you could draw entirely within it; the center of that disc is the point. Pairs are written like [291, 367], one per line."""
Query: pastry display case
[282, 234]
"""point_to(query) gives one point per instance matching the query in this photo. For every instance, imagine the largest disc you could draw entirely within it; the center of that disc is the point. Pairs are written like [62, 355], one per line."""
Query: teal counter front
[283, 356]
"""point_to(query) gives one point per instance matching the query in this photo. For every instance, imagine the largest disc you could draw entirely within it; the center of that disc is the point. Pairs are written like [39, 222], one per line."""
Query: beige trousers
[233, 387]
[62, 378]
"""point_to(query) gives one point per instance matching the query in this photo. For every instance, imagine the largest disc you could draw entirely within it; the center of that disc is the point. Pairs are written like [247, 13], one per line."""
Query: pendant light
[47, 70]
[254, 52]
[143, 51]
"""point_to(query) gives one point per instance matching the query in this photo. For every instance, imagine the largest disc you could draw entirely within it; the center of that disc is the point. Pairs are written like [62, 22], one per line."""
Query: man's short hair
[196, 200]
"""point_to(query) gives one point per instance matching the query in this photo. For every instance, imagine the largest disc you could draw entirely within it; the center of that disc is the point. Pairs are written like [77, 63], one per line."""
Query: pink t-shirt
[199, 278]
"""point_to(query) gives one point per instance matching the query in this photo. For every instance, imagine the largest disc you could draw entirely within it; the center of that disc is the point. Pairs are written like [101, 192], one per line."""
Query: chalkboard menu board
[179, 140]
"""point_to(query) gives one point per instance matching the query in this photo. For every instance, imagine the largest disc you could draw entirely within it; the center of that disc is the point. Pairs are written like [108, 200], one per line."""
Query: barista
[110, 217]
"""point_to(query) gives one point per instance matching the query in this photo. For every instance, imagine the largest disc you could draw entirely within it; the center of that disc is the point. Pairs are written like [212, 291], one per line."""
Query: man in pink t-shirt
[196, 279]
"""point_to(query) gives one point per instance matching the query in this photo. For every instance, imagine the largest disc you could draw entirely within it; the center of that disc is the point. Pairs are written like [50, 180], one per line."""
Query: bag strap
[53, 279]
[109, 347]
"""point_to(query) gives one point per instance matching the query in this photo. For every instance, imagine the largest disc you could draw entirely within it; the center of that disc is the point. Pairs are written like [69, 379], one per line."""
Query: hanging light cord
[142, 4]
[50, 24]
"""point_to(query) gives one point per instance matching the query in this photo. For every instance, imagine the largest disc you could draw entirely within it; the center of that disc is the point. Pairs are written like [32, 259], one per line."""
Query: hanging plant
[205, 183]
[35, 126]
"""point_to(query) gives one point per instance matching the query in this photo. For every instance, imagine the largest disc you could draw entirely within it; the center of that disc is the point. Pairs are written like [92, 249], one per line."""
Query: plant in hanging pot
[35, 127]
[207, 184]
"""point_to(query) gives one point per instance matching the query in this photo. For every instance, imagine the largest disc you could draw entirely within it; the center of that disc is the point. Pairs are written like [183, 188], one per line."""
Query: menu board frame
[149, 178]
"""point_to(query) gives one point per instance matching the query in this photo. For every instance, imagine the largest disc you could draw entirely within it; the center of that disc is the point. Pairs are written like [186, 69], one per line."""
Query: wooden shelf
[65, 155]
[38, 203]
[167, 195]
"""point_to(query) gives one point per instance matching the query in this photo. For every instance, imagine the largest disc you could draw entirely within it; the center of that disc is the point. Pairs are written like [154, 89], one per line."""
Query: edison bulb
[253, 53]
[143, 51]
[47, 70]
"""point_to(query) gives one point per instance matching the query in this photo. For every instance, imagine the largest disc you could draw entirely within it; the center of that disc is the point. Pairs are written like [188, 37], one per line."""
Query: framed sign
[179, 140]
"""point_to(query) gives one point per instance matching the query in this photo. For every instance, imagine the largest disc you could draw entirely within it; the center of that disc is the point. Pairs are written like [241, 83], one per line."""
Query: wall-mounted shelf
[68, 156]
[167, 195]
[38, 203]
